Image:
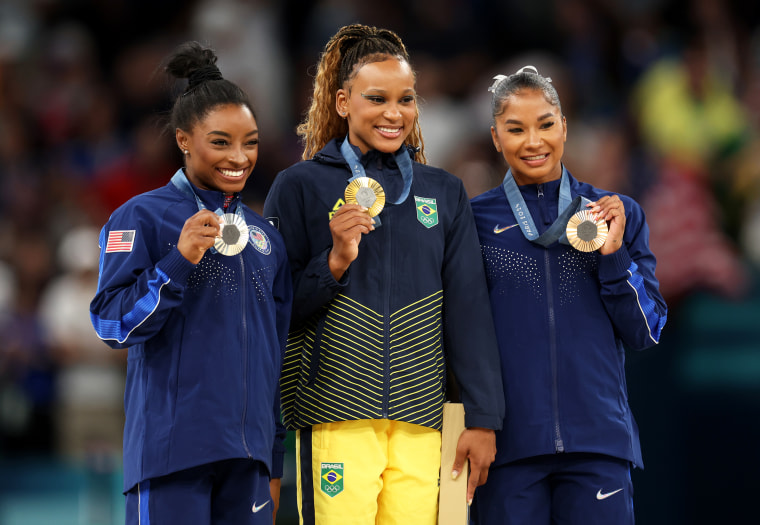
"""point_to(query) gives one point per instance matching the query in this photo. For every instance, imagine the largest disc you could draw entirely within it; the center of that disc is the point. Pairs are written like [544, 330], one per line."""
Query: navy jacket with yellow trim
[376, 343]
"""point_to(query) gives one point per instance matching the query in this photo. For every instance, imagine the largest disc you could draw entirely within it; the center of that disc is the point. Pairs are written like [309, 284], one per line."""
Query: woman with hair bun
[389, 291]
[198, 286]
[572, 285]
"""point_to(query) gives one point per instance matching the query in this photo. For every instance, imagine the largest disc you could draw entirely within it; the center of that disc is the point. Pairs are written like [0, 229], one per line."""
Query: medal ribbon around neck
[403, 161]
[234, 230]
[567, 208]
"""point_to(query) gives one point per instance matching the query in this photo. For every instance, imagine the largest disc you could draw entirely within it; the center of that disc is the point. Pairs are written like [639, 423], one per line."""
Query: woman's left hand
[611, 209]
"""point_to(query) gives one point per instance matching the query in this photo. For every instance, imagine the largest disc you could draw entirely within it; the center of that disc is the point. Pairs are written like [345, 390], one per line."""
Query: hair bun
[203, 74]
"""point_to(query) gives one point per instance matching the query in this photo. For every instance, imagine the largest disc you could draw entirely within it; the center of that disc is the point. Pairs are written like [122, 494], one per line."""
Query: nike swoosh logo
[498, 230]
[601, 496]
[257, 508]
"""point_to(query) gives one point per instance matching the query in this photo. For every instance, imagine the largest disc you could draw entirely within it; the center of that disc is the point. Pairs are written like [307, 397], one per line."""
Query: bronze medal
[586, 233]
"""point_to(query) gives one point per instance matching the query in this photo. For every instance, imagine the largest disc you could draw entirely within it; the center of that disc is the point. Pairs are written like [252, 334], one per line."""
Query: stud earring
[185, 151]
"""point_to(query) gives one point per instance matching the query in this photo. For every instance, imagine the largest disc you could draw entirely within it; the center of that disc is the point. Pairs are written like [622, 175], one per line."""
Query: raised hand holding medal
[611, 210]
[347, 226]
[198, 235]
[365, 199]
[225, 233]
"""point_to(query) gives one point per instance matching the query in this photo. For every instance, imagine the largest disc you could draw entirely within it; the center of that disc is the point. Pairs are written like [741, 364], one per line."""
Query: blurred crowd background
[662, 99]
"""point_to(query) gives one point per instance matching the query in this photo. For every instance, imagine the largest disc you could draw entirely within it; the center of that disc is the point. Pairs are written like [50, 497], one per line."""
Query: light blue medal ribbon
[403, 160]
[179, 179]
[567, 207]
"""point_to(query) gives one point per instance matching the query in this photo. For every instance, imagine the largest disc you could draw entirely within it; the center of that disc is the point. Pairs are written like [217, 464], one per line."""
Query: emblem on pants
[331, 479]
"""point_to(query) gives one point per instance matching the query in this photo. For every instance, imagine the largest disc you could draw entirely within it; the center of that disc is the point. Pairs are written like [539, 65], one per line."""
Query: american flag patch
[120, 241]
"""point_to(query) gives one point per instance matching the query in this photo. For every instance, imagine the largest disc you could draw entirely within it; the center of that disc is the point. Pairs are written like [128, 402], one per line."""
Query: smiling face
[530, 133]
[222, 149]
[380, 105]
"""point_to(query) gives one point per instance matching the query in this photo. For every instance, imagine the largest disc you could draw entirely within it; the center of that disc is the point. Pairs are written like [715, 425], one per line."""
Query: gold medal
[366, 192]
[233, 235]
[586, 233]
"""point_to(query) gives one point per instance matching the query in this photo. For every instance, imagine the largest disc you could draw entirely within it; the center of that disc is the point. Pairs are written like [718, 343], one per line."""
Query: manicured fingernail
[454, 474]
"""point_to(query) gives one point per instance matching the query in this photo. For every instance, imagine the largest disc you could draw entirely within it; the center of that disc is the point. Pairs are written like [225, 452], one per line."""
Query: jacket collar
[331, 154]
[211, 199]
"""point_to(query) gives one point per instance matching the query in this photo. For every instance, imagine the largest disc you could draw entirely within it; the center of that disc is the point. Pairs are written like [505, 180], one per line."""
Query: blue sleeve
[313, 283]
[278, 450]
[283, 292]
[630, 291]
[283, 295]
[470, 337]
[136, 293]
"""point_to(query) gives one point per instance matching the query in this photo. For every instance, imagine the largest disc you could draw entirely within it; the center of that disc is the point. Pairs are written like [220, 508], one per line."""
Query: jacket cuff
[278, 461]
[176, 267]
[482, 421]
[615, 265]
[326, 278]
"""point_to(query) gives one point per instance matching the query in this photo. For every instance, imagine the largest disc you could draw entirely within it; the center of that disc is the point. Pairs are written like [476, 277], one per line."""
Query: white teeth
[389, 130]
[232, 173]
[535, 157]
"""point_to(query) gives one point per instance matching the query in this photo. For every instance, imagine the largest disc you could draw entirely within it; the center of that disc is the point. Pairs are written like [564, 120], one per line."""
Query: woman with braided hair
[198, 287]
[389, 291]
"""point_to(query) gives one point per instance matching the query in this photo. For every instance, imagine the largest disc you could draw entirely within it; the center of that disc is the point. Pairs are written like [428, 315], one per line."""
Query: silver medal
[233, 235]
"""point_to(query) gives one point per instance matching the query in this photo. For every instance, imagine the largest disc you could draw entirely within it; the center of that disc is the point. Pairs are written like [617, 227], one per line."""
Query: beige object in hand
[452, 502]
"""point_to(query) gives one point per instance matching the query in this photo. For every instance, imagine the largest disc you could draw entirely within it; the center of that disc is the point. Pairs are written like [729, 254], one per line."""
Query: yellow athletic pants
[368, 472]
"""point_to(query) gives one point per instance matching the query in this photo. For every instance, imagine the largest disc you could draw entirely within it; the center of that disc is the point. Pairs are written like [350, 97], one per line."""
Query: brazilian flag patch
[427, 211]
[331, 478]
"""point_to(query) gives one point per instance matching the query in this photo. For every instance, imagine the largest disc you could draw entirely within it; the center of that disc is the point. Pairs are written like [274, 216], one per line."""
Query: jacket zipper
[387, 276]
[559, 445]
[245, 349]
[542, 205]
[386, 321]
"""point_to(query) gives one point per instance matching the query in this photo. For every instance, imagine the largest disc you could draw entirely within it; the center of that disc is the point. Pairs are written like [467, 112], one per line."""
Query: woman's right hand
[346, 227]
[198, 235]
